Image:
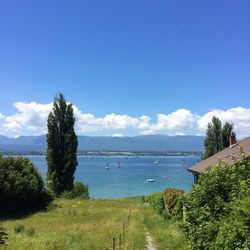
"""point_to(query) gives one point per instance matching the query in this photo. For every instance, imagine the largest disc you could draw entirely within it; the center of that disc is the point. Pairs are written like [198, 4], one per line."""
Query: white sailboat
[107, 167]
[150, 180]
[156, 162]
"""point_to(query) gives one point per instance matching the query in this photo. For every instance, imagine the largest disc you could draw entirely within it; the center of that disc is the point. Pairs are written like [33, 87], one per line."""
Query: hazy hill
[136, 143]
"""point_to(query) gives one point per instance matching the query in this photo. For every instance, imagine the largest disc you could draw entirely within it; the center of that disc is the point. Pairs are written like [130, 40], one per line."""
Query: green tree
[217, 137]
[62, 147]
[213, 138]
[21, 186]
[225, 134]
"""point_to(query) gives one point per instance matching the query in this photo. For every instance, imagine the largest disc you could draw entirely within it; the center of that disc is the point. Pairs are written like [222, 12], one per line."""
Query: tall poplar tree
[225, 134]
[61, 147]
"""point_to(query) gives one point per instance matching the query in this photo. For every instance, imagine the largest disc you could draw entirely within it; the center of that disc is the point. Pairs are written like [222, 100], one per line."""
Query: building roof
[228, 155]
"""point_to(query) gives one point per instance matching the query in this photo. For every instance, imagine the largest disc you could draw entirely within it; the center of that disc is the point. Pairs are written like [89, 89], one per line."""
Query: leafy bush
[156, 202]
[171, 196]
[21, 186]
[80, 190]
[168, 203]
[234, 231]
[18, 228]
[213, 206]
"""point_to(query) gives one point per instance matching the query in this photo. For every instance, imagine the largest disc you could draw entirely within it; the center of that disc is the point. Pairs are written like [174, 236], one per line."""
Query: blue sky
[130, 58]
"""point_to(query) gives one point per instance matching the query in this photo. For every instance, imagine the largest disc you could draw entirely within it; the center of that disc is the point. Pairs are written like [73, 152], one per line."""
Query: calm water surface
[130, 178]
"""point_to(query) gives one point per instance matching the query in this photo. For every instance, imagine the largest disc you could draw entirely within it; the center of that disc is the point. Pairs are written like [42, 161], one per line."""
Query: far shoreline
[93, 153]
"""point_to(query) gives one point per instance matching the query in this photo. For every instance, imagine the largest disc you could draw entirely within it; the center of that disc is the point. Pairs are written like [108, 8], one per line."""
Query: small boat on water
[107, 167]
[150, 180]
[156, 162]
[119, 165]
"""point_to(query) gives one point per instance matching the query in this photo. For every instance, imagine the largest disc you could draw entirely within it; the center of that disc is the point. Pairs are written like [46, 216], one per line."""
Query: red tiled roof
[227, 155]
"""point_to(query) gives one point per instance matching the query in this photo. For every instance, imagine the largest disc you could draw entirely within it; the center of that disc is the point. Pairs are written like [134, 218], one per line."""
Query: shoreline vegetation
[110, 153]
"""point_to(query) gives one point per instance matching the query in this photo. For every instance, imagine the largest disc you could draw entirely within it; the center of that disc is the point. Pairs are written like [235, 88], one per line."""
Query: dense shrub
[216, 204]
[156, 202]
[234, 231]
[171, 196]
[18, 228]
[21, 186]
[80, 190]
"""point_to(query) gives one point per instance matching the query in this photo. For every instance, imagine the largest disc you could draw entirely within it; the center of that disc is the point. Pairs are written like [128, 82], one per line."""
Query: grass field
[90, 225]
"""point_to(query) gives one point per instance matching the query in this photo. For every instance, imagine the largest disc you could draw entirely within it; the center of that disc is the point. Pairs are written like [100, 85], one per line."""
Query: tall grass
[91, 225]
[78, 224]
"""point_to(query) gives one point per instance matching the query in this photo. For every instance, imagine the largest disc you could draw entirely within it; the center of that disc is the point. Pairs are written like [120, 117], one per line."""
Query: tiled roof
[227, 155]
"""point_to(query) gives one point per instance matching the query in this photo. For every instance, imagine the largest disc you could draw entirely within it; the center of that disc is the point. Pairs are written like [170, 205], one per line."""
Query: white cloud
[179, 133]
[144, 122]
[147, 132]
[117, 135]
[239, 116]
[89, 123]
[179, 120]
[31, 119]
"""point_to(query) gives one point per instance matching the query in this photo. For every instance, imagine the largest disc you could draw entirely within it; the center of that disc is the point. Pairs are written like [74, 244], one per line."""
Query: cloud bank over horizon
[31, 119]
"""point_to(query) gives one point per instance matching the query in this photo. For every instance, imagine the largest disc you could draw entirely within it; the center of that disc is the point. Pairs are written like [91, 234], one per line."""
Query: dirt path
[150, 245]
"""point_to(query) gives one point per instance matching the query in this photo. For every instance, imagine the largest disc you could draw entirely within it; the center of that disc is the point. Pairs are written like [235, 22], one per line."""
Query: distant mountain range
[108, 143]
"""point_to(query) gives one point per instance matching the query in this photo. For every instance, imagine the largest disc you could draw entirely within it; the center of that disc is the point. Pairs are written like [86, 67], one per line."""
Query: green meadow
[92, 224]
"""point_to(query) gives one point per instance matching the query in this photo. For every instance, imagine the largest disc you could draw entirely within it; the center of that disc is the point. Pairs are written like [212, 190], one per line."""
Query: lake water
[130, 178]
